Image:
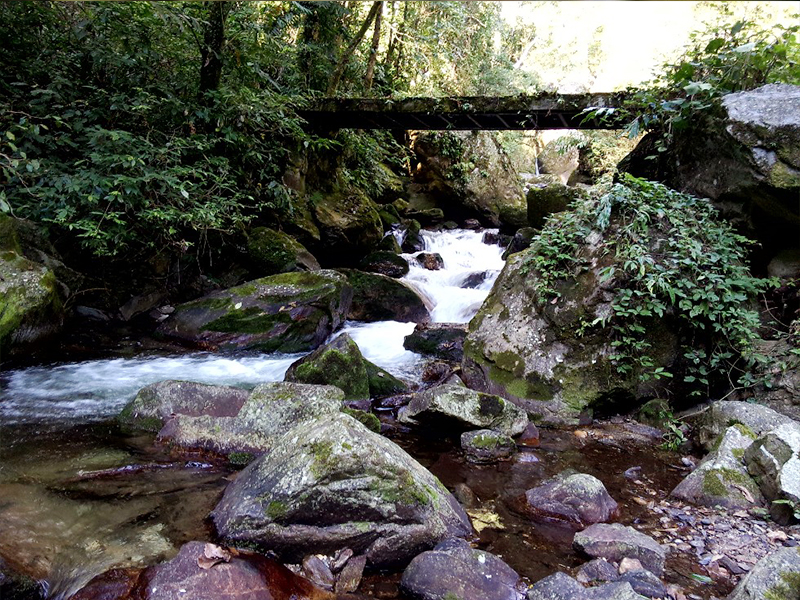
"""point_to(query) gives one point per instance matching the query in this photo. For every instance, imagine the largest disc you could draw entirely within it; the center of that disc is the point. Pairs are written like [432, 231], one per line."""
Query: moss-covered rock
[331, 484]
[774, 577]
[380, 298]
[382, 383]
[544, 199]
[458, 406]
[367, 419]
[442, 340]
[349, 224]
[389, 243]
[485, 446]
[271, 252]
[289, 312]
[384, 263]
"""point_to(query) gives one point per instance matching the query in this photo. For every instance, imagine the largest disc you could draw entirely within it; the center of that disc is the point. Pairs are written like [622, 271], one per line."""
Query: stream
[78, 497]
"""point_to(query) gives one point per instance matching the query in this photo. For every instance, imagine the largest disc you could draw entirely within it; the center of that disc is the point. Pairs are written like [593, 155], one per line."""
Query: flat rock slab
[331, 484]
[454, 569]
[288, 312]
[575, 500]
[615, 542]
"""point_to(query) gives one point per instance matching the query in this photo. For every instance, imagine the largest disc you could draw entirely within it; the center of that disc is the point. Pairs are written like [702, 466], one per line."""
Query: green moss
[362, 526]
[345, 370]
[788, 589]
[485, 441]
[322, 452]
[738, 453]
[250, 320]
[451, 596]
[240, 459]
[367, 419]
[532, 388]
[716, 481]
[276, 510]
[490, 405]
[382, 383]
[404, 490]
[745, 430]
[210, 304]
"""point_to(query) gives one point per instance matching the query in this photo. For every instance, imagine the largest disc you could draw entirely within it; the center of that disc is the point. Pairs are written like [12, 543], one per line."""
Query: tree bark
[373, 50]
[348, 53]
[211, 48]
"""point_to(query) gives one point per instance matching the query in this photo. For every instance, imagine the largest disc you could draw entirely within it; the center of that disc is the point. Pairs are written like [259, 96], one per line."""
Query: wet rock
[442, 340]
[382, 383]
[529, 437]
[385, 263]
[494, 238]
[598, 569]
[381, 298]
[472, 224]
[390, 243]
[432, 261]
[485, 446]
[253, 426]
[350, 577]
[17, 587]
[349, 225]
[560, 586]
[338, 363]
[756, 419]
[573, 499]
[521, 241]
[785, 264]
[454, 569]
[466, 496]
[464, 407]
[774, 461]
[289, 312]
[116, 584]
[271, 252]
[412, 240]
[722, 479]
[775, 574]
[546, 198]
[475, 280]
[156, 403]
[645, 583]
[332, 484]
[614, 542]
[318, 572]
[140, 304]
[426, 216]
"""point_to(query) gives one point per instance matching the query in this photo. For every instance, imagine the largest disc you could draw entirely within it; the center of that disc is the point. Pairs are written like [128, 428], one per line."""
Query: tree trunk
[211, 48]
[373, 50]
[348, 53]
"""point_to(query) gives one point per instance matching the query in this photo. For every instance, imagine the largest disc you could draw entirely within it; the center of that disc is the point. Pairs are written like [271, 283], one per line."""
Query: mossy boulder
[384, 263]
[485, 446]
[349, 224]
[340, 363]
[545, 199]
[774, 577]
[755, 419]
[442, 340]
[271, 252]
[722, 479]
[412, 238]
[471, 174]
[331, 484]
[381, 298]
[460, 407]
[289, 312]
[227, 421]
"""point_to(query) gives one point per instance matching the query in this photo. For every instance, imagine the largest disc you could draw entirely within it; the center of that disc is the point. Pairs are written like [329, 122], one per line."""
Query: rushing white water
[98, 389]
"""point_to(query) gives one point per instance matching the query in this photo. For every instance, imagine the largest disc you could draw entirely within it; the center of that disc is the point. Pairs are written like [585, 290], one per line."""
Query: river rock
[756, 420]
[774, 461]
[349, 225]
[442, 340]
[289, 312]
[471, 170]
[486, 446]
[460, 406]
[332, 484]
[777, 573]
[645, 583]
[271, 252]
[432, 261]
[192, 574]
[412, 239]
[545, 199]
[426, 216]
[573, 499]
[454, 569]
[339, 363]
[614, 542]
[380, 298]
[722, 478]
[521, 241]
[561, 586]
[385, 263]
[598, 569]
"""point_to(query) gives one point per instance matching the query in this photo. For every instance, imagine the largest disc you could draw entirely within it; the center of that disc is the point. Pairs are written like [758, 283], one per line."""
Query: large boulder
[385, 262]
[458, 406]
[722, 478]
[341, 364]
[484, 446]
[271, 252]
[331, 484]
[472, 174]
[226, 420]
[30, 302]
[748, 163]
[546, 198]
[614, 542]
[349, 224]
[455, 570]
[754, 420]
[572, 499]
[382, 298]
[289, 312]
[774, 461]
[776, 577]
[442, 340]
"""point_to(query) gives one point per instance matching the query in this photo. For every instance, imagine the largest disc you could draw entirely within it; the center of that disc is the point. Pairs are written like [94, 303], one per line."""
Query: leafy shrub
[672, 258]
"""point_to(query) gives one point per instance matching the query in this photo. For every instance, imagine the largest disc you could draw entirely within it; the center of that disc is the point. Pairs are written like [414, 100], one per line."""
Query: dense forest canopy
[141, 127]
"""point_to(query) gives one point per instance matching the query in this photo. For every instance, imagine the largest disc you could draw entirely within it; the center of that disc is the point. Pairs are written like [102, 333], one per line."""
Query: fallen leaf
[777, 535]
[212, 555]
[745, 492]
[483, 518]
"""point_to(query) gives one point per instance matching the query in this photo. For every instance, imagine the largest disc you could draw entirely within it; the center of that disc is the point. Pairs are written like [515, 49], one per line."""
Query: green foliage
[669, 257]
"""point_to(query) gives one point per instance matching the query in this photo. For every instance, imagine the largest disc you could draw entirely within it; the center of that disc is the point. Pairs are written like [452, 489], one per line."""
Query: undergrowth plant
[671, 258]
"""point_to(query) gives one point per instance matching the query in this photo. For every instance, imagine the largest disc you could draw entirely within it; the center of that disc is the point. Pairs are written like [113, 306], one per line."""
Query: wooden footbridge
[542, 111]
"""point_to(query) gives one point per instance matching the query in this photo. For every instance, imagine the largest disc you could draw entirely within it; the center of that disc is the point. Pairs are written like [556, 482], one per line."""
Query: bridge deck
[543, 111]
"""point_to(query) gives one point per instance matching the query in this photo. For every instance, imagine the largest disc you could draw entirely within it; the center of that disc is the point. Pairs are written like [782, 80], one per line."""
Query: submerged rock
[615, 542]
[463, 407]
[271, 252]
[774, 461]
[442, 340]
[289, 312]
[454, 569]
[776, 576]
[486, 446]
[432, 261]
[722, 478]
[381, 298]
[573, 499]
[332, 484]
